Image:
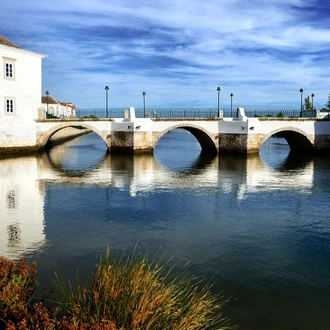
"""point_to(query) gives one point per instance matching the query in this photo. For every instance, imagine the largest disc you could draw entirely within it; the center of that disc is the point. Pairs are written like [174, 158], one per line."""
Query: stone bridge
[239, 135]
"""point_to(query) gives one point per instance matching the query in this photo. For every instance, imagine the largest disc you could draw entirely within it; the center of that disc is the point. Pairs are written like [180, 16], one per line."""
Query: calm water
[260, 227]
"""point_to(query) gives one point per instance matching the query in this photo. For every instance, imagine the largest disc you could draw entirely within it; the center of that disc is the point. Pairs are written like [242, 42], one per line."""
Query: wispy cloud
[178, 52]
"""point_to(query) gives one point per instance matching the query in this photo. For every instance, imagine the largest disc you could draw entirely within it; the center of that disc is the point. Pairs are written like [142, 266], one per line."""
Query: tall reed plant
[133, 293]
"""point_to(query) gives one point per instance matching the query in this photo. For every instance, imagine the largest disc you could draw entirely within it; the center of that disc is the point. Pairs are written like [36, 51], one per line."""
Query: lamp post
[301, 98]
[47, 93]
[144, 104]
[106, 101]
[312, 100]
[218, 90]
[231, 104]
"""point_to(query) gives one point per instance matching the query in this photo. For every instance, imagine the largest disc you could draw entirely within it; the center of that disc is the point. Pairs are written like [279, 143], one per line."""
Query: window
[9, 68]
[9, 106]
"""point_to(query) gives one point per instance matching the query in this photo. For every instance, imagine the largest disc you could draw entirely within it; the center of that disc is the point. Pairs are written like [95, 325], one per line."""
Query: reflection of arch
[206, 141]
[202, 162]
[296, 161]
[296, 139]
[86, 170]
[44, 138]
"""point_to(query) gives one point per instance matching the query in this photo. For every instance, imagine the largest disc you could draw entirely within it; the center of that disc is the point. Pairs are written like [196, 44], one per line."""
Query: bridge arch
[208, 142]
[45, 136]
[296, 138]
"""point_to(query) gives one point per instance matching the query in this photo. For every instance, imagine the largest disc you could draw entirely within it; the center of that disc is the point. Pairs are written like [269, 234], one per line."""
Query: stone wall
[232, 143]
[322, 143]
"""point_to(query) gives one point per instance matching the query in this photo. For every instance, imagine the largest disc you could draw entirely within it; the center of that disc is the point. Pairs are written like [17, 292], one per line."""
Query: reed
[125, 292]
[131, 292]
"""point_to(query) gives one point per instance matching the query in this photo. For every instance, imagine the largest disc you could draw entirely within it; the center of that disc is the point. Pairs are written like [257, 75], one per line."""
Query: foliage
[91, 116]
[17, 286]
[308, 103]
[124, 293]
[327, 105]
[280, 114]
[51, 116]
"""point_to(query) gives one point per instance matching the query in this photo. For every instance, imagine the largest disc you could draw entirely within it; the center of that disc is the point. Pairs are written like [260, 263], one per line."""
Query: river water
[258, 227]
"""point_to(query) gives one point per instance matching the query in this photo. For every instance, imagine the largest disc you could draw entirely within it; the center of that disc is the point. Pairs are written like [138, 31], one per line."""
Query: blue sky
[178, 52]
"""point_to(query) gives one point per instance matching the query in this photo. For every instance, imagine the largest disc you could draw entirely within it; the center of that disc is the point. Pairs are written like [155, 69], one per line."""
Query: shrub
[17, 286]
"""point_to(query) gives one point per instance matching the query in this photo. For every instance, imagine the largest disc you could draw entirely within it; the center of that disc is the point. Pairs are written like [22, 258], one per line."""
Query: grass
[125, 292]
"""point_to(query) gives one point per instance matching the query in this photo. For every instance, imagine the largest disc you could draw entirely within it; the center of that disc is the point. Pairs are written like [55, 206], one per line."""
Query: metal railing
[193, 113]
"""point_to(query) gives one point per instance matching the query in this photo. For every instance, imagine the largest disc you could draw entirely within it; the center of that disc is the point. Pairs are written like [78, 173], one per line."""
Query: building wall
[18, 128]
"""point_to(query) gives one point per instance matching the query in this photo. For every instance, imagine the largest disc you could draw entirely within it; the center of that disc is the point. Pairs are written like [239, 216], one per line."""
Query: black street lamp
[218, 90]
[106, 101]
[144, 104]
[301, 99]
[312, 100]
[47, 93]
[231, 104]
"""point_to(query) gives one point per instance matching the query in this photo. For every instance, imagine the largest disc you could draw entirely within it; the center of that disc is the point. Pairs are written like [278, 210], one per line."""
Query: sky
[178, 52]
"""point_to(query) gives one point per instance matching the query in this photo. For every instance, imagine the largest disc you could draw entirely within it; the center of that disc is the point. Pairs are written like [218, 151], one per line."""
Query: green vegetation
[327, 104]
[51, 116]
[124, 293]
[91, 116]
[308, 103]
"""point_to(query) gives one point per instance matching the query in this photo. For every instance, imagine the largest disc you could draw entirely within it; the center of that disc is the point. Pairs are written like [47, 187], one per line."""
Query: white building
[57, 109]
[20, 94]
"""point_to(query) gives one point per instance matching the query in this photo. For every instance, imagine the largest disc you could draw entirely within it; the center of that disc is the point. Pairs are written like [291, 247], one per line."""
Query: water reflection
[21, 205]
[24, 181]
[79, 157]
[253, 221]
[276, 154]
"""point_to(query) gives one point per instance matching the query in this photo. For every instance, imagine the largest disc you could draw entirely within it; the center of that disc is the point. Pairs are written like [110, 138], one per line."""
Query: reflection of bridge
[224, 135]
[22, 232]
[144, 174]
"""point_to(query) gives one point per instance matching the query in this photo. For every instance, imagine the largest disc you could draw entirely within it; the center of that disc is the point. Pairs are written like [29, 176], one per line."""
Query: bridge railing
[193, 113]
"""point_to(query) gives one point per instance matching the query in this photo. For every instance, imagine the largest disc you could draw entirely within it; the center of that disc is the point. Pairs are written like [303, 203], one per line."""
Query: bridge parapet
[242, 134]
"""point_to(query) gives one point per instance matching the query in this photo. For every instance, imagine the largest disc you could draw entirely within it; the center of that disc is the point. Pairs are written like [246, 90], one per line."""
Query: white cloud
[177, 51]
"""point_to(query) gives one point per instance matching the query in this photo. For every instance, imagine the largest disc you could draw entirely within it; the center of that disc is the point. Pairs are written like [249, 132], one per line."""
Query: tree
[308, 103]
[327, 105]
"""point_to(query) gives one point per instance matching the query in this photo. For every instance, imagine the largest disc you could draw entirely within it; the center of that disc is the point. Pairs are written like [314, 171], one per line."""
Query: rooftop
[6, 42]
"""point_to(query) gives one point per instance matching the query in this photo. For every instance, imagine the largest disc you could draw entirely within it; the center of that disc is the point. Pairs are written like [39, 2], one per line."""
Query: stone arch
[45, 136]
[297, 139]
[207, 142]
